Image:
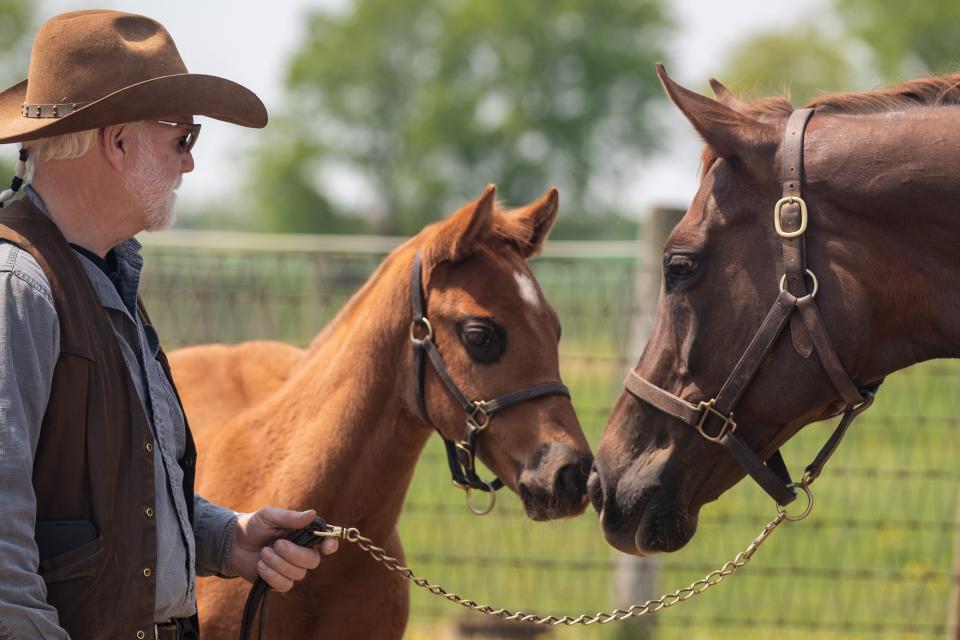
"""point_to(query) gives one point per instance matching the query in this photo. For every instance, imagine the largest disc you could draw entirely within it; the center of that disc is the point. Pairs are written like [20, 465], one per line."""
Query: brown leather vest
[94, 460]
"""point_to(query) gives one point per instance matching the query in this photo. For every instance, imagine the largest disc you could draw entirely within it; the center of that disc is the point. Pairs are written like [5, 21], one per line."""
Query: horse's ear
[457, 237]
[725, 96]
[728, 132]
[536, 219]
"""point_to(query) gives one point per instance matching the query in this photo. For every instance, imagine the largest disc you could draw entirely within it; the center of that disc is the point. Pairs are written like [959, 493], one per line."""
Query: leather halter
[461, 456]
[713, 418]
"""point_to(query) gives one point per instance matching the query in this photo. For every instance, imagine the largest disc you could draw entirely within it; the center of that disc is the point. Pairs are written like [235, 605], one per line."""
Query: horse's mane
[932, 91]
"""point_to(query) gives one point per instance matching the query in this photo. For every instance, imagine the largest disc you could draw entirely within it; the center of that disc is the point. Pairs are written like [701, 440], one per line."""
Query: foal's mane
[932, 91]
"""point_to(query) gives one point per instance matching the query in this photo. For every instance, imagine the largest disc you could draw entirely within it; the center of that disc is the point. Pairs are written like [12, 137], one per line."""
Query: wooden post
[635, 578]
[953, 604]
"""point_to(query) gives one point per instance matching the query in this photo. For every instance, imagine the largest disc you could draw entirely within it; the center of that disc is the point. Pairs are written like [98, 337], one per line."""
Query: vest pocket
[80, 562]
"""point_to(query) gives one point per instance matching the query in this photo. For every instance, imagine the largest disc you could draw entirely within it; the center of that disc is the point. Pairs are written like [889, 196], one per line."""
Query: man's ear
[728, 132]
[457, 237]
[536, 220]
[116, 140]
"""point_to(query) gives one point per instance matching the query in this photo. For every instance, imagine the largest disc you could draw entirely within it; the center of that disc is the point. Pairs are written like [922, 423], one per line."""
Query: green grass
[874, 560]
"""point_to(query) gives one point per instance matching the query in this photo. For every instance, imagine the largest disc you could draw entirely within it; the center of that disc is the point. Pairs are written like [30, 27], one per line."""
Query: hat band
[50, 110]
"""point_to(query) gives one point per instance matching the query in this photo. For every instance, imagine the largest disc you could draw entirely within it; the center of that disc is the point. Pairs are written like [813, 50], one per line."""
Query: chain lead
[604, 617]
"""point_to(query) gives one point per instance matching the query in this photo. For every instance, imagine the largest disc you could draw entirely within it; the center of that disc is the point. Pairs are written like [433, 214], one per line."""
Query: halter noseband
[461, 456]
[790, 222]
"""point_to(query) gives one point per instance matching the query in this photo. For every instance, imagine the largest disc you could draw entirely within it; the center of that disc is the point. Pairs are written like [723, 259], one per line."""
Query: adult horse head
[818, 256]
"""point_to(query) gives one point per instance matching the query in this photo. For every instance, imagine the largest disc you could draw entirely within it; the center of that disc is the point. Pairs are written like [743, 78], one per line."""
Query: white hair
[64, 147]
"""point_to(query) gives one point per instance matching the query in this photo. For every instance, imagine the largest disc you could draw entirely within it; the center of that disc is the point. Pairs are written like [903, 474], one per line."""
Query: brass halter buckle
[706, 408]
[803, 216]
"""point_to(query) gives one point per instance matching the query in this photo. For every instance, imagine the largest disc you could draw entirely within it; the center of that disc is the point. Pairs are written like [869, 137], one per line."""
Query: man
[100, 533]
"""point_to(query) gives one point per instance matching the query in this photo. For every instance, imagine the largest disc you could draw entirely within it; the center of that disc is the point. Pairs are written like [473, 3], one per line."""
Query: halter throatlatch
[713, 418]
[461, 455]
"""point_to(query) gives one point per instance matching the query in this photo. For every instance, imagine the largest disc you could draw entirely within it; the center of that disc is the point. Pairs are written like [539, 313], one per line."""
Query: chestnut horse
[342, 430]
[878, 177]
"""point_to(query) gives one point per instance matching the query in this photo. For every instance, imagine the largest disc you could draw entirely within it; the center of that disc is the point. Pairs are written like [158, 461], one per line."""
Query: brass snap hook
[806, 489]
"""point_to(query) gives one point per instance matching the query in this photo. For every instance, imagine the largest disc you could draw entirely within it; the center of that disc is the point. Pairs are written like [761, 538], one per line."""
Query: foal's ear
[536, 219]
[727, 131]
[457, 237]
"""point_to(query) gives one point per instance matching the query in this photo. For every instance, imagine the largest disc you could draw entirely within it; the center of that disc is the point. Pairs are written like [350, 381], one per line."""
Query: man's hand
[282, 563]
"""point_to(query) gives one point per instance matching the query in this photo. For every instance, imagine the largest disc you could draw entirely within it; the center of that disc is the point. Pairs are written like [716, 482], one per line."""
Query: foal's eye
[485, 340]
[680, 266]
[477, 337]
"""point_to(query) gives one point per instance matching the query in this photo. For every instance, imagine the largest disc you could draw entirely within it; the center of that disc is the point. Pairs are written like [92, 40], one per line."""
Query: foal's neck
[348, 437]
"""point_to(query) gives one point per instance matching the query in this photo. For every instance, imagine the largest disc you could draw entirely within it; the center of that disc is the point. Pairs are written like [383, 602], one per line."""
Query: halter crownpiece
[809, 334]
[461, 455]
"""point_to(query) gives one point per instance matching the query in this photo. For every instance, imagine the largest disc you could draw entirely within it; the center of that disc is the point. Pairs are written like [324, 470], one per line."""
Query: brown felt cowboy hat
[90, 69]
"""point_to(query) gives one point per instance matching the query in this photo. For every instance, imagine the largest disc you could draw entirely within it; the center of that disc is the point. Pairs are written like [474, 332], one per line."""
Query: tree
[799, 62]
[427, 101]
[16, 31]
[906, 40]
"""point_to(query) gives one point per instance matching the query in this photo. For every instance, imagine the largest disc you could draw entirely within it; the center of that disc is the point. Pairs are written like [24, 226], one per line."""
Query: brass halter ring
[806, 489]
[421, 323]
[816, 283]
[477, 510]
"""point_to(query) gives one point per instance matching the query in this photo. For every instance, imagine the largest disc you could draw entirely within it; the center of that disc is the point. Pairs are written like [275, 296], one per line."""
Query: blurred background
[388, 114]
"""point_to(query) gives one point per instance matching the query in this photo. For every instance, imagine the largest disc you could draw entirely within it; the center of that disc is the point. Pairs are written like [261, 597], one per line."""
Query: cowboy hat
[90, 69]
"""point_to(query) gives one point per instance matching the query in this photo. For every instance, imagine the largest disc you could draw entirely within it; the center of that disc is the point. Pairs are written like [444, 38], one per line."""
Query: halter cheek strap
[461, 455]
[713, 418]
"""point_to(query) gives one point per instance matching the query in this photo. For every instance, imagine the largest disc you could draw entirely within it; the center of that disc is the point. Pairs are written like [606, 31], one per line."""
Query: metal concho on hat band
[50, 110]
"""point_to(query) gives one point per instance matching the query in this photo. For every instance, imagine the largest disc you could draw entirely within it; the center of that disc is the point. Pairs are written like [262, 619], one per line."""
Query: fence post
[635, 578]
[953, 603]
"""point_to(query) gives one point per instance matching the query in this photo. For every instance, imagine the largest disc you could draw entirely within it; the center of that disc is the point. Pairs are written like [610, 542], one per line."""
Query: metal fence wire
[876, 559]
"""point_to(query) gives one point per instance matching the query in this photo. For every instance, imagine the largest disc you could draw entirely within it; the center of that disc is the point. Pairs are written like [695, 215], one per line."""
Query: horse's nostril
[595, 489]
[570, 484]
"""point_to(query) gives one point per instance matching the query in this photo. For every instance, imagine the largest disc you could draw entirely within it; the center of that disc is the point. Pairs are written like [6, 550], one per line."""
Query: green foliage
[429, 101]
[799, 63]
[906, 40]
[900, 42]
[17, 27]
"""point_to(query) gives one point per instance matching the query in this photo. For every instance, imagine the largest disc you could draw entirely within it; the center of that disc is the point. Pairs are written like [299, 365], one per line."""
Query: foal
[343, 432]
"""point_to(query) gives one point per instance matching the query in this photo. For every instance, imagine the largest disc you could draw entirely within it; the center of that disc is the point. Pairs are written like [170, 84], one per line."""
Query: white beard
[155, 195]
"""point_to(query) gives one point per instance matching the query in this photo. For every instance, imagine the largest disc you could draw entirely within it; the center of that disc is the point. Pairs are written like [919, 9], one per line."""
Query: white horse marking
[528, 290]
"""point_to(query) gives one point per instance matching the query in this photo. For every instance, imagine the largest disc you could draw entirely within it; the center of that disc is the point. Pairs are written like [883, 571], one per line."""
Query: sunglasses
[190, 139]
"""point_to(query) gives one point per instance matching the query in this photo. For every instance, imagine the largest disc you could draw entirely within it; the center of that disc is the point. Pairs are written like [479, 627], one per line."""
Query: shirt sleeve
[29, 348]
[213, 528]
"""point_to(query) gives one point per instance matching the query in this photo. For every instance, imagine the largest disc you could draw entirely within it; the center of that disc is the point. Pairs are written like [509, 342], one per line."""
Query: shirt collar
[116, 287]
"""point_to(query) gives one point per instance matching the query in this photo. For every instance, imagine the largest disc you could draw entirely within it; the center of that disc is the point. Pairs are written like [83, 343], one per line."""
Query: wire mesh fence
[876, 558]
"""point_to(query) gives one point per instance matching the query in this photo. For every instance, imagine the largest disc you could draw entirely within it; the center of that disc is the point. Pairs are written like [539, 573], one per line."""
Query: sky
[250, 43]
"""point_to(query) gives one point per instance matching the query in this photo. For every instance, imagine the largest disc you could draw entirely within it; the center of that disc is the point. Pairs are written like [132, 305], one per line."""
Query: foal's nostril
[595, 489]
[570, 484]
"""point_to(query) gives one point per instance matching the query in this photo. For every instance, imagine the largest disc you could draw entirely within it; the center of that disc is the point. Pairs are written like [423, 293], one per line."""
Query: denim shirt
[29, 349]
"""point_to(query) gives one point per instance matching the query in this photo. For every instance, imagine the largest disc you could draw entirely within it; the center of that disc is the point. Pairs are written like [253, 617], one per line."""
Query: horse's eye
[478, 337]
[484, 339]
[680, 266]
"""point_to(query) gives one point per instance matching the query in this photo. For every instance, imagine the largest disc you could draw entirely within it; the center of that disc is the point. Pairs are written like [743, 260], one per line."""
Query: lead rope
[319, 530]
